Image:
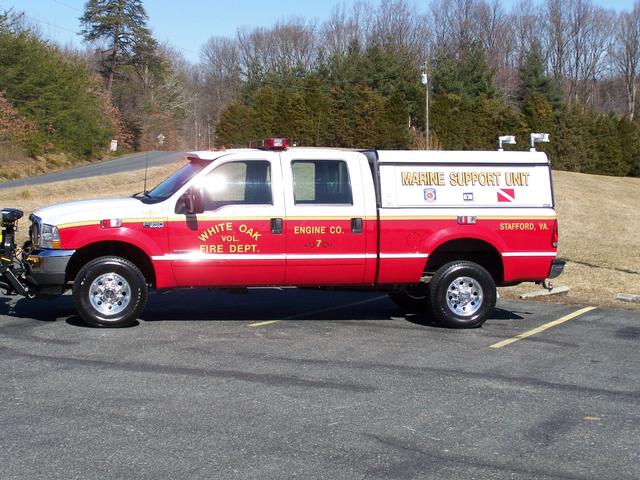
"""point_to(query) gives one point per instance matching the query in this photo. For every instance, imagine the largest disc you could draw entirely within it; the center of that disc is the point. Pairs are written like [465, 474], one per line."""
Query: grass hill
[599, 220]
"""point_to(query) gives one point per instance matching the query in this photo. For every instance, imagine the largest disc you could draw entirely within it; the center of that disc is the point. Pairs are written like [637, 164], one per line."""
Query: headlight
[43, 235]
[49, 236]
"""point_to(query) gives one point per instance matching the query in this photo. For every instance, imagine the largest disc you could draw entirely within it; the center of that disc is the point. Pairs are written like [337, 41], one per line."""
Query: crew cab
[438, 230]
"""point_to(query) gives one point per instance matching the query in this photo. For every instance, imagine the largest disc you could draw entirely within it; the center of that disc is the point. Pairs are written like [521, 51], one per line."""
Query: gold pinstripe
[310, 218]
[204, 219]
[78, 224]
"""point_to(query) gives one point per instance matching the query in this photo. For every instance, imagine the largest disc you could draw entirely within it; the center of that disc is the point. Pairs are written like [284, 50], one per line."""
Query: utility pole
[425, 82]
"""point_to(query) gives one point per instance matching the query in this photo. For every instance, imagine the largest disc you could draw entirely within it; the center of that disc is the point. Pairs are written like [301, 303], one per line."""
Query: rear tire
[463, 295]
[110, 292]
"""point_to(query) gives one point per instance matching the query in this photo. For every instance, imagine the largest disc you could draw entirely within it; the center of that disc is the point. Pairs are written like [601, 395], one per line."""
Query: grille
[35, 231]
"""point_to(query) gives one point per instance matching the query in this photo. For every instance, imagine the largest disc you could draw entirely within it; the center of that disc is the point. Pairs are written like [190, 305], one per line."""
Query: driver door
[238, 240]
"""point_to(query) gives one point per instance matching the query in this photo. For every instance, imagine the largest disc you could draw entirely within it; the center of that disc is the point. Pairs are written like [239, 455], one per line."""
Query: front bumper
[556, 268]
[47, 267]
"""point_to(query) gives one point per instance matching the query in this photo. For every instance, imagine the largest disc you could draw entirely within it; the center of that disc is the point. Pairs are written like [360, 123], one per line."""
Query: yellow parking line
[260, 324]
[542, 328]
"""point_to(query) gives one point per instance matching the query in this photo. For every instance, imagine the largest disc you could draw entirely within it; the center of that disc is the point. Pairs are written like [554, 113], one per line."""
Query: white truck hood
[101, 209]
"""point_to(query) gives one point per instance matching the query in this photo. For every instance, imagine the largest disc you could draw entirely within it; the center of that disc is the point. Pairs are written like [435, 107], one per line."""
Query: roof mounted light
[275, 144]
[507, 140]
[538, 138]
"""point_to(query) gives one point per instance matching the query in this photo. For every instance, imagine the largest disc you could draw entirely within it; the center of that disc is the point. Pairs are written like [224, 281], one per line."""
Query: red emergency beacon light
[275, 143]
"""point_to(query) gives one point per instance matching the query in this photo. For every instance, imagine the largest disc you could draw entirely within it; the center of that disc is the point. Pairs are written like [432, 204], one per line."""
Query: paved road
[127, 163]
[310, 384]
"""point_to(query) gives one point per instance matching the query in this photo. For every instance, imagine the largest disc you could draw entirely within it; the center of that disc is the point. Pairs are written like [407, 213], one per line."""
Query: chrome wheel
[464, 296]
[109, 293]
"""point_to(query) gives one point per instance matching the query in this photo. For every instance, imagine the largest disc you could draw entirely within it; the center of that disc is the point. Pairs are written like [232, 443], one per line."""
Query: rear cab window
[321, 182]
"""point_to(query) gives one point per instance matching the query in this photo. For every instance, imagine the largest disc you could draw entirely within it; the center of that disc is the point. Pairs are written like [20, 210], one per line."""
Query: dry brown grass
[599, 227]
[599, 221]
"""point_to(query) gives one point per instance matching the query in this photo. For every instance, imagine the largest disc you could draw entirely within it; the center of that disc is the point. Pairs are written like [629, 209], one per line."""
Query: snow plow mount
[12, 272]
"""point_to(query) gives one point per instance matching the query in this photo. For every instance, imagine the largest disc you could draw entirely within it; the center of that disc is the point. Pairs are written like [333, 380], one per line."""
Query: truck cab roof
[409, 156]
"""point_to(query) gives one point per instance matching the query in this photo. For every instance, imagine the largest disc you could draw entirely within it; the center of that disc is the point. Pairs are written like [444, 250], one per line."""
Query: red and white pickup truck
[438, 230]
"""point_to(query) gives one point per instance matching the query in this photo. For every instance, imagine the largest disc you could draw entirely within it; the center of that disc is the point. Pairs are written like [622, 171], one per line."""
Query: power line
[67, 5]
[49, 24]
[81, 11]
[42, 22]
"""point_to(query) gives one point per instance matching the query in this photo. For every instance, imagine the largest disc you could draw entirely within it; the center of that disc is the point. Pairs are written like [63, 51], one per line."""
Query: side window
[321, 181]
[239, 183]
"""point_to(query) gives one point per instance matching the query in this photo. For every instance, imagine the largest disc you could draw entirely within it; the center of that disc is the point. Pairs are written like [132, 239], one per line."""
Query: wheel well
[471, 250]
[116, 249]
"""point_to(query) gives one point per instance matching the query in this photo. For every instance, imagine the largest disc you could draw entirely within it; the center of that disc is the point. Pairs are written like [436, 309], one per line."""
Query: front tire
[110, 292]
[463, 295]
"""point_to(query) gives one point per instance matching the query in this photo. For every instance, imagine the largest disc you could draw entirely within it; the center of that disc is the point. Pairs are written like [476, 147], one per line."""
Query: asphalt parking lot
[310, 384]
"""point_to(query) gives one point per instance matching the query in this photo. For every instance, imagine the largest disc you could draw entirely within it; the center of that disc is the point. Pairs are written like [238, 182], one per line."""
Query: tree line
[566, 67]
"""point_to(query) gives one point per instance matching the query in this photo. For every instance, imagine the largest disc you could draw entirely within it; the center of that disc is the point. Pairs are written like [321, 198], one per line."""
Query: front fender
[150, 241]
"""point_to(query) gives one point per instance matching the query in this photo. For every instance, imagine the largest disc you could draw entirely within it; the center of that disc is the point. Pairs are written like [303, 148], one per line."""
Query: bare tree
[452, 24]
[626, 54]
[342, 29]
[580, 30]
[396, 24]
[221, 79]
[557, 37]
[296, 45]
[590, 31]
[288, 45]
[220, 57]
[526, 24]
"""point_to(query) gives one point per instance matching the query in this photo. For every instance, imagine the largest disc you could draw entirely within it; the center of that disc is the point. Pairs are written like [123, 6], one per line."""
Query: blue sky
[187, 24]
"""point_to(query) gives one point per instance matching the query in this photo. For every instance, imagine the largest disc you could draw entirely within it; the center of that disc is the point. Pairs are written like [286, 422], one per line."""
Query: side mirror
[191, 202]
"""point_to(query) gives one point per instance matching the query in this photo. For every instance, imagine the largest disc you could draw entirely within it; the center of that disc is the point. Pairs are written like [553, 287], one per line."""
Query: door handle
[276, 226]
[356, 225]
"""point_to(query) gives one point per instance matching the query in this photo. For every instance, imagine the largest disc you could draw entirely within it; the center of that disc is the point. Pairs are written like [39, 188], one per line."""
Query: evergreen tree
[534, 82]
[235, 126]
[54, 92]
[629, 139]
[366, 113]
[122, 25]
[572, 148]
[395, 126]
[468, 77]
[340, 130]
[608, 156]
[388, 71]
[316, 97]
[538, 114]
[299, 118]
[265, 114]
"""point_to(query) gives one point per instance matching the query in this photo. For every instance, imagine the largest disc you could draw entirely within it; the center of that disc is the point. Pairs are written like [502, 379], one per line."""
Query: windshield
[173, 183]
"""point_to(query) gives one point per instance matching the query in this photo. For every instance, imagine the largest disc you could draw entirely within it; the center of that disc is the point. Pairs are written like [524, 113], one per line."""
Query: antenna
[146, 167]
